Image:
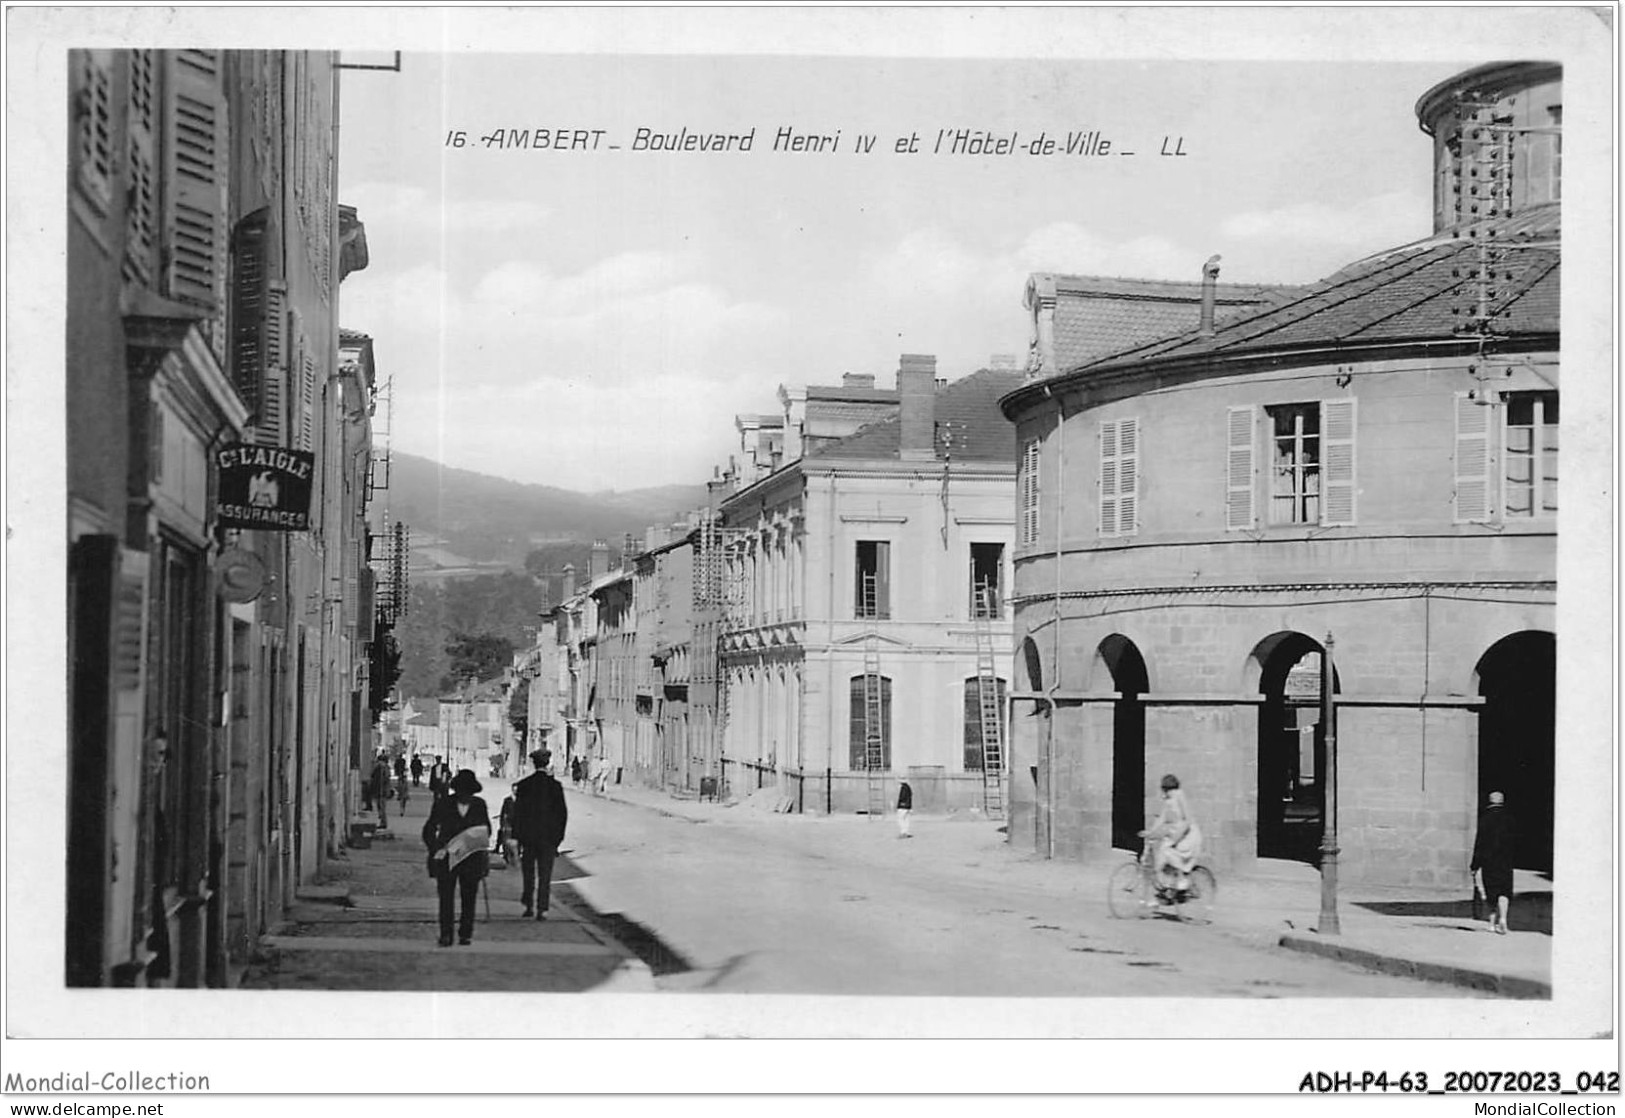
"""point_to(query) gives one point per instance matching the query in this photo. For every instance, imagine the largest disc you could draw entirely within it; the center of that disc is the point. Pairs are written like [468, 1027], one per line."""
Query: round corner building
[1370, 462]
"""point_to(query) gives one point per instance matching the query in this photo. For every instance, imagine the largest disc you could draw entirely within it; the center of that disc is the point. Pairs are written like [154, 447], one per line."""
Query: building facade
[1366, 468]
[861, 558]
[213, 670]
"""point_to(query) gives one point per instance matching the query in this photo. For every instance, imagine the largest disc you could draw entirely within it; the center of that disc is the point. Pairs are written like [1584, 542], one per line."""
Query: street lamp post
[1328, 837]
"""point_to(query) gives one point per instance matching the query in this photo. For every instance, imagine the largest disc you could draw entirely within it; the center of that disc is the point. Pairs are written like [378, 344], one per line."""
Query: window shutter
[250, 278]
[1239, 483]
[1029, 492]
[93, 127]
[141, 215]
[883, 579]
[307, 402]
[272, 421]
[1472, 460]
[1337, 448]
[195, 236]
[1108, 478]
[1128, 476]
[302, 386]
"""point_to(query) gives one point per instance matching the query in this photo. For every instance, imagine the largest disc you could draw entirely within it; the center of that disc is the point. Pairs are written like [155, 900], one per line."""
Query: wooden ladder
[874, 728]
[987, 687]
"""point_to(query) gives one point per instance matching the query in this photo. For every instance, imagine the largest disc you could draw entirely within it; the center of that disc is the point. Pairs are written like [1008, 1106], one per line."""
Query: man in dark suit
[539, 818]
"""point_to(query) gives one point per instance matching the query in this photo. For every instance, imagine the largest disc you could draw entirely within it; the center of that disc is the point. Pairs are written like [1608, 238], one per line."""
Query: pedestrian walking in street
[1178, 838]
[400, 767]
[457, 833]
[439, 778]
[575, 771]
[379, 781]
[402, 785]
[1493, 854]
[905, 807]
[506, 842]
[417, 770]
[539, 818]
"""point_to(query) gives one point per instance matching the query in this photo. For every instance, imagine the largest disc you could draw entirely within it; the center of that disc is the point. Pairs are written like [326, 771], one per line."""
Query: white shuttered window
[1337, 445]
[1119, 477]
[1472, 488]
[1239, 470]
[1028, 493]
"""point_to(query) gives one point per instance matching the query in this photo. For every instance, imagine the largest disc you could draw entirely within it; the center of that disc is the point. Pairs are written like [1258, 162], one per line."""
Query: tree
[479, 655]
[519, 709]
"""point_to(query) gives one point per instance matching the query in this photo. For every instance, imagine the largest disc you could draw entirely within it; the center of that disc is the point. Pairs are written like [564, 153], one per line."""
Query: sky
[594, 319]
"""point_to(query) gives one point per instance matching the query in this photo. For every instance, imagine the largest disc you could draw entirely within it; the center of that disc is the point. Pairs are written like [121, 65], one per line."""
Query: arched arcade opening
[1517, 734]
[1122, 658]
[1291, 747]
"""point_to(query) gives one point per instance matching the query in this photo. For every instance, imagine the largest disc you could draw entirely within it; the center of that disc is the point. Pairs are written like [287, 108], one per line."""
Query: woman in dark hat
[458, 834]
[1493, 857]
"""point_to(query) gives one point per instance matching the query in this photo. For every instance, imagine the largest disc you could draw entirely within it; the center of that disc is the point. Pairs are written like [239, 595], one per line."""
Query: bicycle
[1134, 891]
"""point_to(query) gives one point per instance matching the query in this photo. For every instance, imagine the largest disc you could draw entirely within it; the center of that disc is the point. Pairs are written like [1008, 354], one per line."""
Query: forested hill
[502, 605]
[488, 519]
[488, 553]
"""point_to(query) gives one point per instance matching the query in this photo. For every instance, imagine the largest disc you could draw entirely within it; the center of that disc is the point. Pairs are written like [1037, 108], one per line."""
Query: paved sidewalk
[1413, 933]
[373, 924]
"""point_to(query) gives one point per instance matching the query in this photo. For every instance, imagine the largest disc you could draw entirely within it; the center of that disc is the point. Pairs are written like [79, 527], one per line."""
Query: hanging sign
[242, 574]
[265, 487]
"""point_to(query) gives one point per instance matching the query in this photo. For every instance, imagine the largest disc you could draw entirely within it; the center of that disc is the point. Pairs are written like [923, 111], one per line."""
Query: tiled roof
[1099, 315]
[846, 392]
[970, 408]
[1420, 291]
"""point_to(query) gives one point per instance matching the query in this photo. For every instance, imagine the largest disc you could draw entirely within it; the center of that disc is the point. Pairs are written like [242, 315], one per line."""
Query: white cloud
[1371, 223]
[414, 211]
[581, 433]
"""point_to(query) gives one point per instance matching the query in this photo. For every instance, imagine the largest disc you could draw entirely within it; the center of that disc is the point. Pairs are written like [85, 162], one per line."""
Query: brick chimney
[569, 581]
[858, 380]
[599, 564]
[917, 396]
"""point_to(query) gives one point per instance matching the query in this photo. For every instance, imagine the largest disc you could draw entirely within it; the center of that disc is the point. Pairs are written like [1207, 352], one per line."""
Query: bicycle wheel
[1203, 894]
[1126, 892]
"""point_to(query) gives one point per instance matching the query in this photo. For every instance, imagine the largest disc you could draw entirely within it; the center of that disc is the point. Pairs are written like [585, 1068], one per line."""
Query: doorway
[1517, 738]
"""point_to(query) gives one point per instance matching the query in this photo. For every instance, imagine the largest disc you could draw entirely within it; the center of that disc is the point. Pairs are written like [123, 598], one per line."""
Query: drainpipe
[1210, 293]
[1055, 611]
[829, 659]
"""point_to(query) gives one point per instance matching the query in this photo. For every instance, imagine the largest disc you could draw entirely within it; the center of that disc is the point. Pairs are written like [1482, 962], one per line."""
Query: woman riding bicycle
[1178, 839]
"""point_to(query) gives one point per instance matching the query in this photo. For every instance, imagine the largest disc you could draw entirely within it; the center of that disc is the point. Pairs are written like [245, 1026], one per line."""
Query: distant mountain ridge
[463, 518]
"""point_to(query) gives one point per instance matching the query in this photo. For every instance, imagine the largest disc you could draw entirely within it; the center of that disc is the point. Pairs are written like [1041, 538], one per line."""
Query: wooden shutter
[195, 235]
[1128, 476]
[307, 393]
[93, 126]
[1108, 478]
[1239, 480]
[302, 377]
[250, 282]
[141, 214]
[1472, 489]
[1337, 457]
[1029, 492]
[882, 579]
[271, 423]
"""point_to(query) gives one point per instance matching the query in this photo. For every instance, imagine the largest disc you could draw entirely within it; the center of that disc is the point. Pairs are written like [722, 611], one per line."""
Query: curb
[1506, 985]
[324, 894]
